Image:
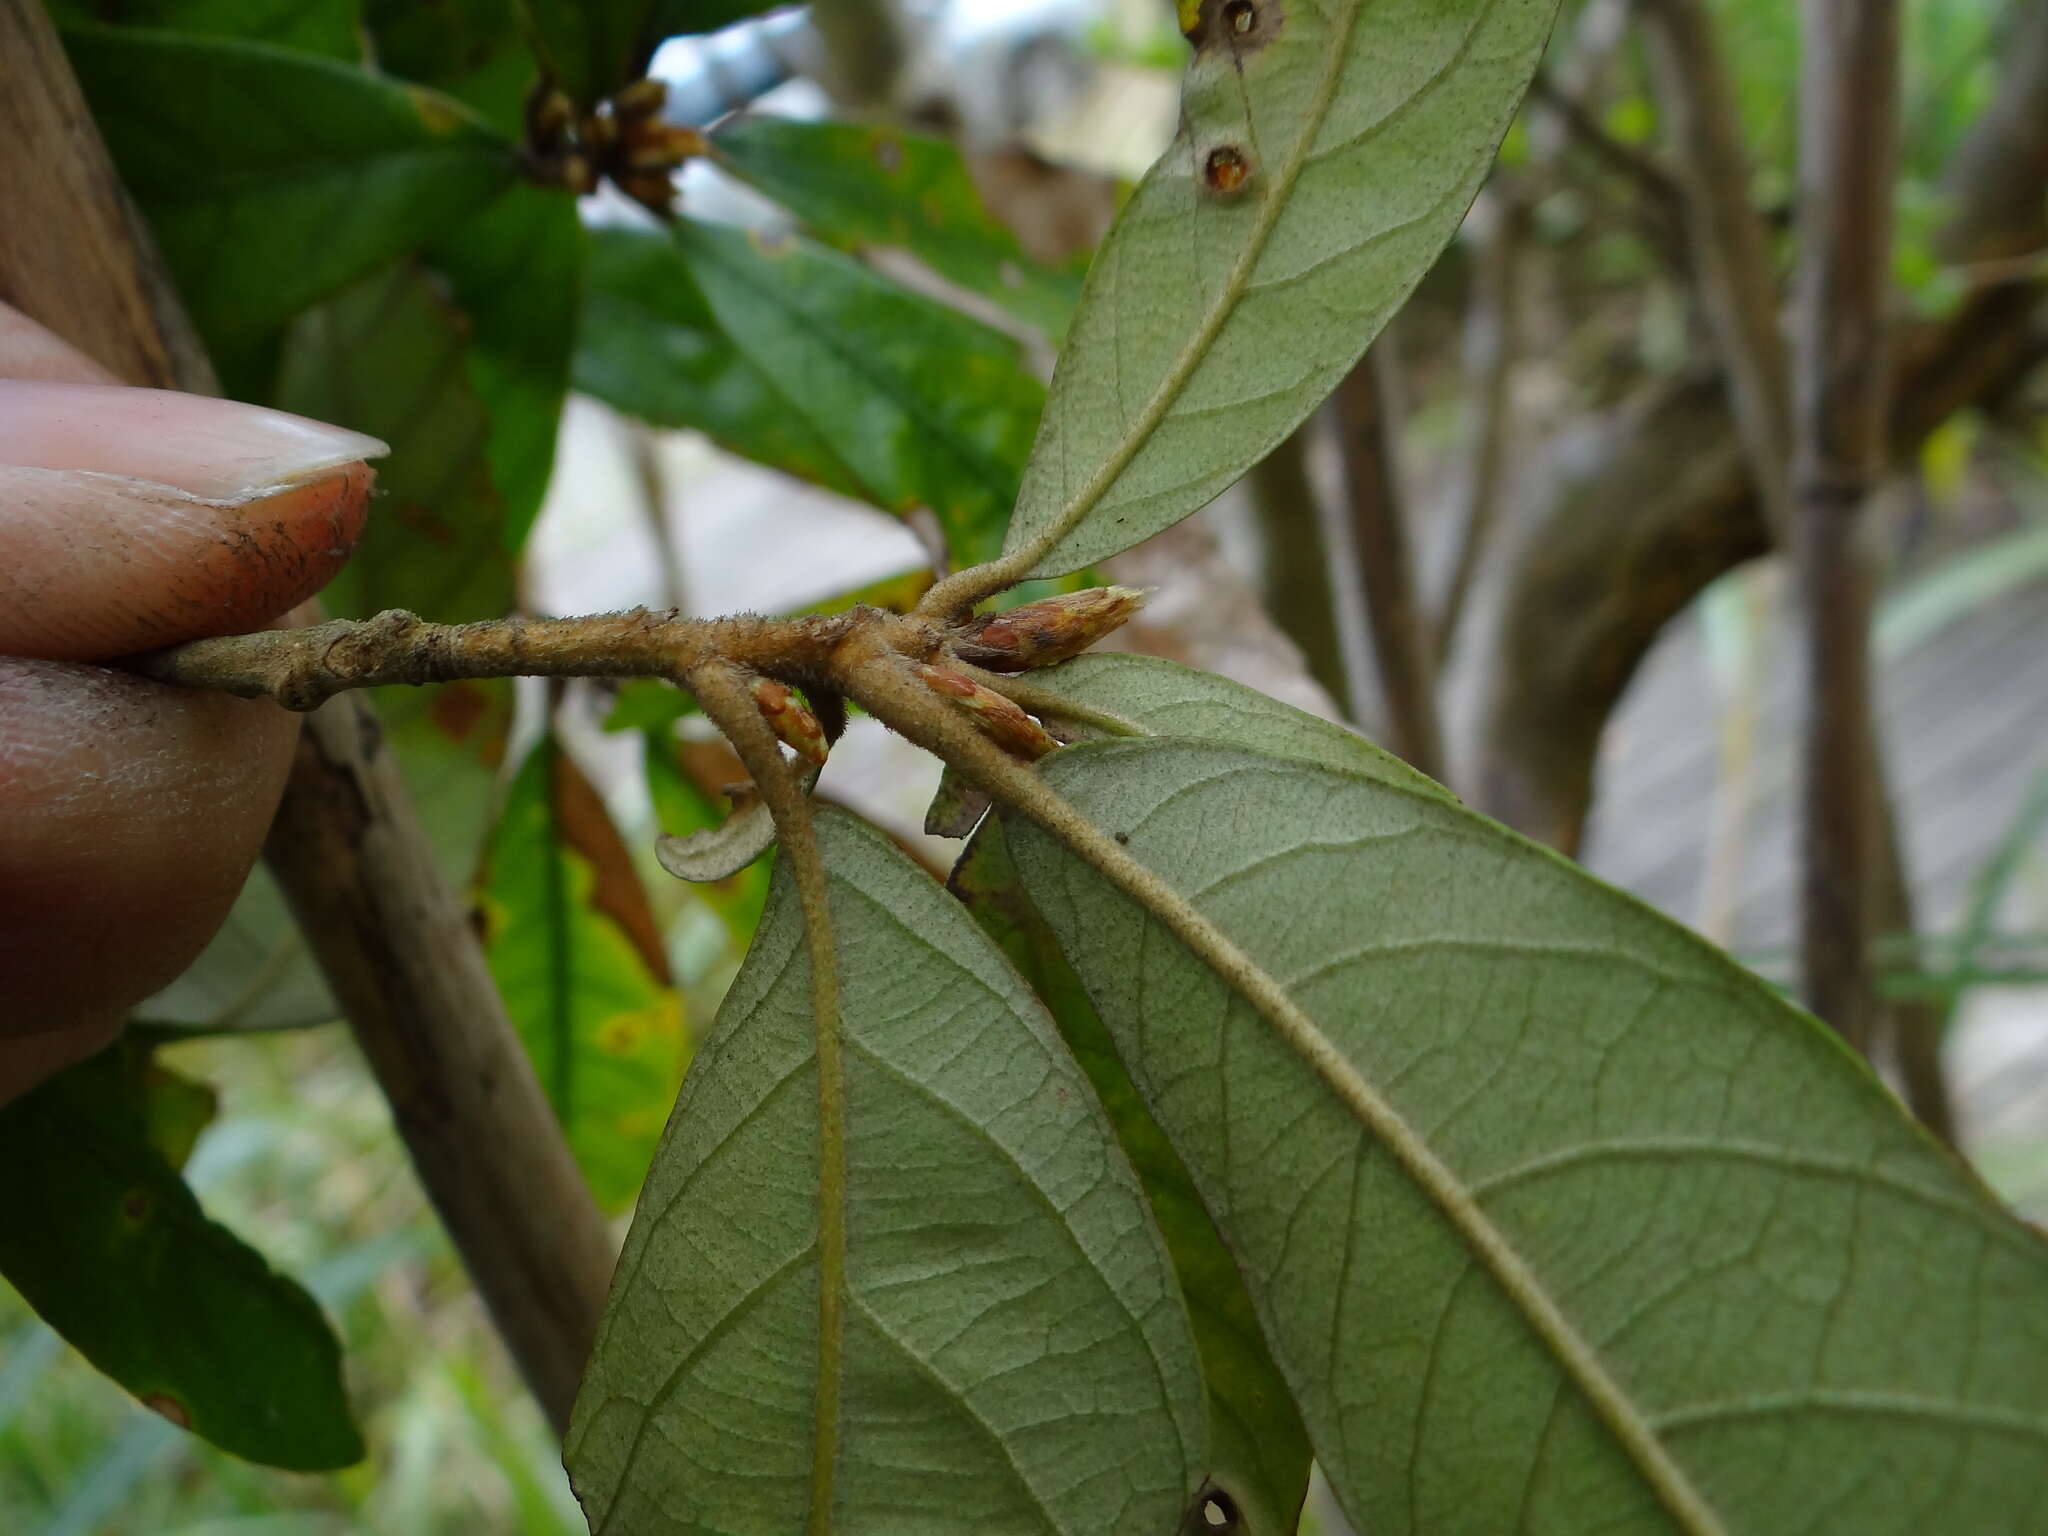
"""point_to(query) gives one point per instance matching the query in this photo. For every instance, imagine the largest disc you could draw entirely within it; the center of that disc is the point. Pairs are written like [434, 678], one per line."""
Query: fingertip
[94, 566]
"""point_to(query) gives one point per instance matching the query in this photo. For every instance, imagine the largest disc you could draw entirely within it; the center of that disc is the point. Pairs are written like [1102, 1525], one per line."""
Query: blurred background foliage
[370, 216]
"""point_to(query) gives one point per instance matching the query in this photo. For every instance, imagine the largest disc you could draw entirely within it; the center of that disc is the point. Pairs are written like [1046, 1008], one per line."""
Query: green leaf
[690, 18]
[390, 356]
[590, 47]
[650, 347]
[1258, 1451]
[857, 185]
[470, 49]
[1120, 694]
[1555, 1218]
[273, 178]
[101, 1236]
[1015, 1355]
[924, 406]
[330, 27]
[1213, 322]
[516, 272]
[572, 944]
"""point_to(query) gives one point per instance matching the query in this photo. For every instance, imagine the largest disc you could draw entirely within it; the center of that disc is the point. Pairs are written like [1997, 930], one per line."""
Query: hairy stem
[302, 668]
[721, 688]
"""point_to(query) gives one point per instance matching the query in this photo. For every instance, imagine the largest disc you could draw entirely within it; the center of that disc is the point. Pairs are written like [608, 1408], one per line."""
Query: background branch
[1403, 647]
[1492, 344]
[1637, 514]
[392, 937]
[1848, 153]
[1294, 558]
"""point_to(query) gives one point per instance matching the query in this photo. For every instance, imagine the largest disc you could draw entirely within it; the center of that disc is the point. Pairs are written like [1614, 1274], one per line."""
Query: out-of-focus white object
[722, 72]
[1001, 70]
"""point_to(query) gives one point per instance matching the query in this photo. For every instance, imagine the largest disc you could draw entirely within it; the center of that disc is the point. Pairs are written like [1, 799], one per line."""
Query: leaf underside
[1215, 319]
[1555, 1219]
[1016, 1357]
[1258, 1452]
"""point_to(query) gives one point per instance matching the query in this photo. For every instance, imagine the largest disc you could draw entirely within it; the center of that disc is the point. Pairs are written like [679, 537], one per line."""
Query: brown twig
[399, 953]
[1731, 247]
[392, 936]
[1661, 195]
[302, 668]
[1492, 346]
[1402, 646]
[1848, 149]
[1650, 506]
[1294, 563]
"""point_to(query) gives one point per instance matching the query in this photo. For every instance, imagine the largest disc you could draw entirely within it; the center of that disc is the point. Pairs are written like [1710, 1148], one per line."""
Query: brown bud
[1047, 631]
[577, 175]
[643, 98]
[788, 719]
[1001, 721]
[548, 119]
[651, 189]
[658, 147]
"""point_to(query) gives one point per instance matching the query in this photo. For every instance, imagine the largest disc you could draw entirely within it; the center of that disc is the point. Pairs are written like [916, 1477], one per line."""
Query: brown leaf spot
[169, 1407]
[1226, 170]
[136, 1206]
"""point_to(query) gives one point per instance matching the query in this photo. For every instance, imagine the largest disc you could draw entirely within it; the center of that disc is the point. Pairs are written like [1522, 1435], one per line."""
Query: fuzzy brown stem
[301, 668]
[723, 690]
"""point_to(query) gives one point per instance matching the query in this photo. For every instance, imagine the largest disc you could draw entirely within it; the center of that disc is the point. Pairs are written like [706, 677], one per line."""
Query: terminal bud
[1047, 631]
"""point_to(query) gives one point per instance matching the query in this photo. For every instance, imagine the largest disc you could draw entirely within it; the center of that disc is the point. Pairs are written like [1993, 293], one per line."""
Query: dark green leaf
[1258, 1451]
[273, 178]
[574, 949]
[469, 49]
[390, 356]
[1326, 155]
[103, 1239]
[649, 346]
[330, 27]
[516, 273]
[857, 185]
[924, 406]
[689, 18]
[1556, 1219]
[590, 47]
[1014, 1357]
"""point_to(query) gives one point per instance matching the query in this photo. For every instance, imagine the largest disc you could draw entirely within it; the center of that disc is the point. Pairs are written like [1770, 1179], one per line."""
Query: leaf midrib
[1634, 1432]
[1190, 358]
